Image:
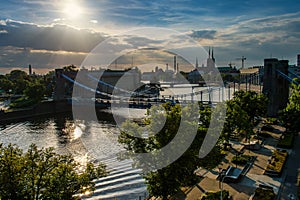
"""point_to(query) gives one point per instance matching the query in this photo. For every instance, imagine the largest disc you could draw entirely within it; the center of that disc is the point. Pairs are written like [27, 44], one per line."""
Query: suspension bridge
[146, 98]
[273, 81]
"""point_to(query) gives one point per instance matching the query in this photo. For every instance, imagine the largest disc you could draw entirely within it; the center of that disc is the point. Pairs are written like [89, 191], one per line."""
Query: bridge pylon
[275, 87]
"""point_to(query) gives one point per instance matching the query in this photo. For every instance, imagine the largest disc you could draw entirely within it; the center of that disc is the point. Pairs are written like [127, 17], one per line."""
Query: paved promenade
[254, 177]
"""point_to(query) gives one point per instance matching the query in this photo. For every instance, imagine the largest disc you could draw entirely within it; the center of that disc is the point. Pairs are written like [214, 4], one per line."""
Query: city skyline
[51, 34]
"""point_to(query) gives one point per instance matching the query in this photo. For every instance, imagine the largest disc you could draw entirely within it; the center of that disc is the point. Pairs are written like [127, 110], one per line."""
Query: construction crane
[243, 58]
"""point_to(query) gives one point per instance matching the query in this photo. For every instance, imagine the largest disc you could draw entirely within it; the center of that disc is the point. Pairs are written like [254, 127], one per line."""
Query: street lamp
[222, 174]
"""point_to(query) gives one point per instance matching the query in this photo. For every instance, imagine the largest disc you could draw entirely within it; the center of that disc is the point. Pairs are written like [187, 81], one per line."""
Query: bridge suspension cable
[286, 77]
[109, 85]
[294, 75]
[84, 86]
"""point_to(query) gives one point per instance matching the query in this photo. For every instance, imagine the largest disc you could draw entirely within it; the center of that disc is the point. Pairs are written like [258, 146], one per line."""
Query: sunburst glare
[72, 9]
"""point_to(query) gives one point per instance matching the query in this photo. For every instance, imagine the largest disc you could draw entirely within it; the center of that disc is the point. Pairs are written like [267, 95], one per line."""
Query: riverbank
[51, 108]
[42, 109]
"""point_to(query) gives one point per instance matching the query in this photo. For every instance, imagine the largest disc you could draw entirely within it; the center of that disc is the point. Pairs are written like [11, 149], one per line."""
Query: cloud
[94, 21]
[53, 37]
[203, 34]
[42, 59]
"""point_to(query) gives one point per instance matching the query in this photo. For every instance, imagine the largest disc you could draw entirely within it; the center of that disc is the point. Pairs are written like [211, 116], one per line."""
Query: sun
[72, 10]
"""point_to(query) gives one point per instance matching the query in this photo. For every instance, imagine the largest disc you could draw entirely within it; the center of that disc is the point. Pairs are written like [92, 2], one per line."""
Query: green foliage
[19, 79]
[43, 174]
[35, 91]
[253, 103]
[286, 141]
[21, 103]
[237, 121]
[216, 195]
[205, 116]
[266, 194]
[277, 161]
[271, 120]
[163, 126]
[241, 112]
[5, 83]
[291, 114]
[241, 159]
[70, 68]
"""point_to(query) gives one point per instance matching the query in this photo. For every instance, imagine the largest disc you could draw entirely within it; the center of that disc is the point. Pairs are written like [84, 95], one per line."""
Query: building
[229, 70]
[210, 63]
[194, 76]
[295, 69]
[250, 75]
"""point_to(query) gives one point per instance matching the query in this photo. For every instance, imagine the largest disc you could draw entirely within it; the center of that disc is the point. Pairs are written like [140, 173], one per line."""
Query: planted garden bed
[276, 163]
[263, 193]
[216, 195]
[241, 159]
[286, 141]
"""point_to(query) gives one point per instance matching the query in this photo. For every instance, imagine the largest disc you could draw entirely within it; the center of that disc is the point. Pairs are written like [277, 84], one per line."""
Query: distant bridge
[133, 99]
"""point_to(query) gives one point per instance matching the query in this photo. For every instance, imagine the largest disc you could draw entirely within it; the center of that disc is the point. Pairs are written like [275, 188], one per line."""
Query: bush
[215, 195]
[241, 159]
[272, 120]
[265, 194]
[21, 103]
[43, 174]
[286, 141]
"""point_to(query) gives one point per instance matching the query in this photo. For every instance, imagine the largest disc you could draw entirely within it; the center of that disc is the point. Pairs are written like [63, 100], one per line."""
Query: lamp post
[222, 176]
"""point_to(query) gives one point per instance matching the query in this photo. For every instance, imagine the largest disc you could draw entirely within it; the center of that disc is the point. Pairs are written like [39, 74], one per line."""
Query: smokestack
[30, 70]
[167, 67]
[174, 63]
[177, 67]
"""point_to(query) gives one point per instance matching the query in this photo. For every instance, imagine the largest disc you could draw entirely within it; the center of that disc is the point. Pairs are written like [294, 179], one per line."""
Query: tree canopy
[253, 103]
[167, 181]
[291, 114]
[43, 174]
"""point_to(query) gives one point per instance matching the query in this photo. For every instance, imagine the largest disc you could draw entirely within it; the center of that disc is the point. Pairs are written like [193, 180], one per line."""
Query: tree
[35, 91]
[253, 103]
[49, 83]
[5, 83]
[43, 174]
[163, 127]
[70, 68]
[17, 75]
[237, 120]
[291, 114]
[19, 79]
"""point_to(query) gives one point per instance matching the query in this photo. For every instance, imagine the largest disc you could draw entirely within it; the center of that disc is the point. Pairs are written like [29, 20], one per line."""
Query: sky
[54, 33]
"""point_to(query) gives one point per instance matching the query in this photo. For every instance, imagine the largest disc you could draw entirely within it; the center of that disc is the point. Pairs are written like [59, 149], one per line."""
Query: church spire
[208, 52]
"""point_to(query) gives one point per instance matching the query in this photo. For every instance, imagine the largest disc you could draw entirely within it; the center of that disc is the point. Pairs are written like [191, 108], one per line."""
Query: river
[85, 141]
